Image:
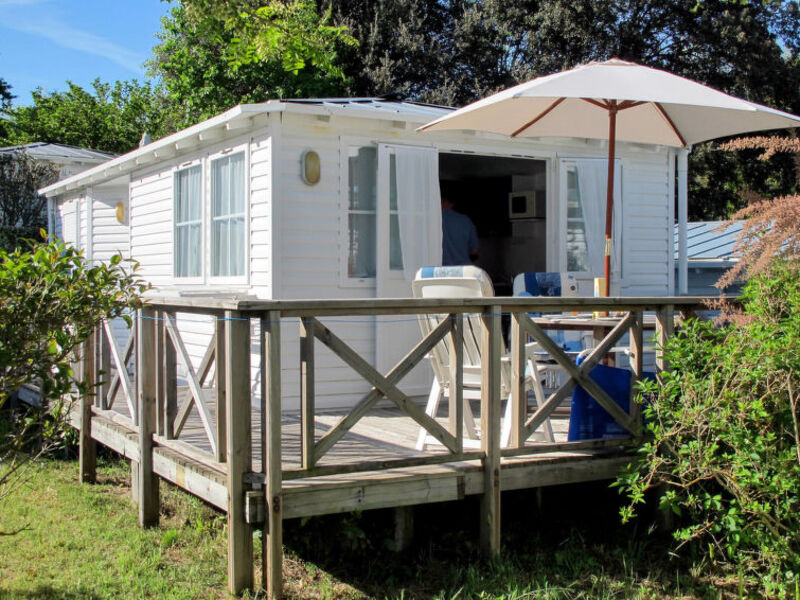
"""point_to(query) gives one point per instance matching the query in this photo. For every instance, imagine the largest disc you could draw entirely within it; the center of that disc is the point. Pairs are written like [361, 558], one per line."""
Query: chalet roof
[59, 152]
[705, 243]
[242, 117]
[386, 105]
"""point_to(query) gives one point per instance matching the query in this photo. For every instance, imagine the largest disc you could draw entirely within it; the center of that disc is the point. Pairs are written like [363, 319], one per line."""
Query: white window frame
[244, 278]
[194, 279]
[486, 149]
[553, 186]
[204, 162]
[346, 143]
[618, 230]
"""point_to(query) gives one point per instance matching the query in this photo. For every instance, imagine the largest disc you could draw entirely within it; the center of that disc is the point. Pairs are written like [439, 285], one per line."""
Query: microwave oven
[528, 204]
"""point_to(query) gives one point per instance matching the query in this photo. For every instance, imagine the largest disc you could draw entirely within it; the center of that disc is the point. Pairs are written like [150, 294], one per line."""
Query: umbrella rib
[671, 124]
[603, 105]
[539, 116]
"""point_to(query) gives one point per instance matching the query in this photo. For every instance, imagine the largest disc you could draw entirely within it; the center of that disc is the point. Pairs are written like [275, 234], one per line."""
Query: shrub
[51, 299]
[722, 434]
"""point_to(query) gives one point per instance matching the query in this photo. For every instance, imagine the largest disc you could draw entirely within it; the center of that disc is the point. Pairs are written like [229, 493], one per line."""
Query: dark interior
[479, 186]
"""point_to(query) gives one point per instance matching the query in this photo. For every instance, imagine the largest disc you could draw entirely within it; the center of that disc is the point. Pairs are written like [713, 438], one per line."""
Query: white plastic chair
[467, 282]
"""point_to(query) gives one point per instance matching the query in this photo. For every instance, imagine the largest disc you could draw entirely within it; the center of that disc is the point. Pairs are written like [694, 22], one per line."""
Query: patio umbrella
[643, 105]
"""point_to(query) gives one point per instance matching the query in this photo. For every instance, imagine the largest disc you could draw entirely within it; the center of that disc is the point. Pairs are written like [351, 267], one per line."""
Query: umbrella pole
[612, 132]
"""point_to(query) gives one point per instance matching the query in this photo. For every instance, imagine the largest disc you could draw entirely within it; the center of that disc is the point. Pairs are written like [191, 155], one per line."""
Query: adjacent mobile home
[339, 198]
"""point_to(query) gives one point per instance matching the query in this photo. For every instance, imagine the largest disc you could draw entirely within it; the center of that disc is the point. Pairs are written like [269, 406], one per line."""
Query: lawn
[82, 541]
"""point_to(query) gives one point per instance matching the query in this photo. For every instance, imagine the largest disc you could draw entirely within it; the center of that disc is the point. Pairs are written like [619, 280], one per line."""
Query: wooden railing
[159, 408]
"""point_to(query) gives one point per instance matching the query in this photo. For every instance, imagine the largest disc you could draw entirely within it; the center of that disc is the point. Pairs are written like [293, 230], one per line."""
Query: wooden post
[87, 453]
[403, 527]
[237, 396]
[272, 540]
[636, 351]
[169, 379]
[161, 396]
[665, 326]
[307, 438]
[135, 482]
[491, 351]
[456, 395]
[146, 395]
[103, 353]
[220, 354]
[519, 399]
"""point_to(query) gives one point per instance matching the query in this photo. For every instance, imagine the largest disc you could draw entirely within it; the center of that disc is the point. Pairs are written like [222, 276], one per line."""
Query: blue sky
[44, 43]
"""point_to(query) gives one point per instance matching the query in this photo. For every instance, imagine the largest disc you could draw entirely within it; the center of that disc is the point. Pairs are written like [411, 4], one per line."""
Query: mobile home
[303, 199]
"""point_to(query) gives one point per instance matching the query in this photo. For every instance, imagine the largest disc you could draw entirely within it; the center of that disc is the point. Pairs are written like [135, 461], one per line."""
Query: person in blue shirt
[459, 237]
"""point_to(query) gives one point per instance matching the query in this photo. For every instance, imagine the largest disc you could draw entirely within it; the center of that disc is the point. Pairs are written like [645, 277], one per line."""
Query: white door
[583, 218]
[396, 335]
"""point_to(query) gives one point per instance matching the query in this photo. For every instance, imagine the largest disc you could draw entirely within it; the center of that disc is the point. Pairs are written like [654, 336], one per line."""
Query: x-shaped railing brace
[383, 386]
[579, 375]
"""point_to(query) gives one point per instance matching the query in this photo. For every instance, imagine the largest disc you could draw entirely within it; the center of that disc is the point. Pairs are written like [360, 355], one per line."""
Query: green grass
[82, 541]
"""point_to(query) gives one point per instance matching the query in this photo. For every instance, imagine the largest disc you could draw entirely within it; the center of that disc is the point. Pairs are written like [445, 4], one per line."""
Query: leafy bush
[723, 434]
[51, 299]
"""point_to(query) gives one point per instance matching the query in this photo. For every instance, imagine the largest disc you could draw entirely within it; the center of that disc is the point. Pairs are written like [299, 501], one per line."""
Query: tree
[214, 55]
[22, 209]
[110, 117]
[456, 51]
[489, 44]
[51, 300]
[5, 103]
[424, 50]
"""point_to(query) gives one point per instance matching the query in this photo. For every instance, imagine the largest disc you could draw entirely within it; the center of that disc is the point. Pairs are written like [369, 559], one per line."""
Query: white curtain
[419, 208]
[228, 212]
[188, 222]
[592, 182]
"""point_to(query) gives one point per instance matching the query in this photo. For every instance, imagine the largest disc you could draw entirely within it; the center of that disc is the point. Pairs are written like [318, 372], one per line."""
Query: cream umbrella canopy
[643, 105]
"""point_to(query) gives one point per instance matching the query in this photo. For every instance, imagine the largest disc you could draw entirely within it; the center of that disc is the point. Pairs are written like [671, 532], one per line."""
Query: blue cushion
[588, 420]
[543, 284]
[432, 272]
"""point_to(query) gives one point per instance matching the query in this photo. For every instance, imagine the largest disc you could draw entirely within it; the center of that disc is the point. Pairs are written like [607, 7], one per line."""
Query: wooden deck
[384, 434]
[205, 433]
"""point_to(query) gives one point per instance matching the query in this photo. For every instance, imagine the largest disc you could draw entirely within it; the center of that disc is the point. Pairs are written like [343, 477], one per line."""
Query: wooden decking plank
[118, 438]
[384, 434]
[191, 476]
[369, 496]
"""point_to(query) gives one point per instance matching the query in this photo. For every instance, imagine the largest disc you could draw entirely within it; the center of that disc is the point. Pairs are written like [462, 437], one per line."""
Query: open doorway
[506, 200]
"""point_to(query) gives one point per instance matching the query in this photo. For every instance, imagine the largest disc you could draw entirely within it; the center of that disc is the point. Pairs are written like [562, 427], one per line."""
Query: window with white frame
[362, 169]
[577, 247]
[395, 249]
[586, 203]
[188, 240]
[228, 216]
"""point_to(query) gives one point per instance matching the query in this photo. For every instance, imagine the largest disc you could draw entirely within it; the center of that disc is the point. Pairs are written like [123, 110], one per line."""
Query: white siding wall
[260, 216]
[83, 224]
[70, 223]
[65, 220]
[647, 228]
[310, 264]
[151, 225]
[110, 237]
[151, 215]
